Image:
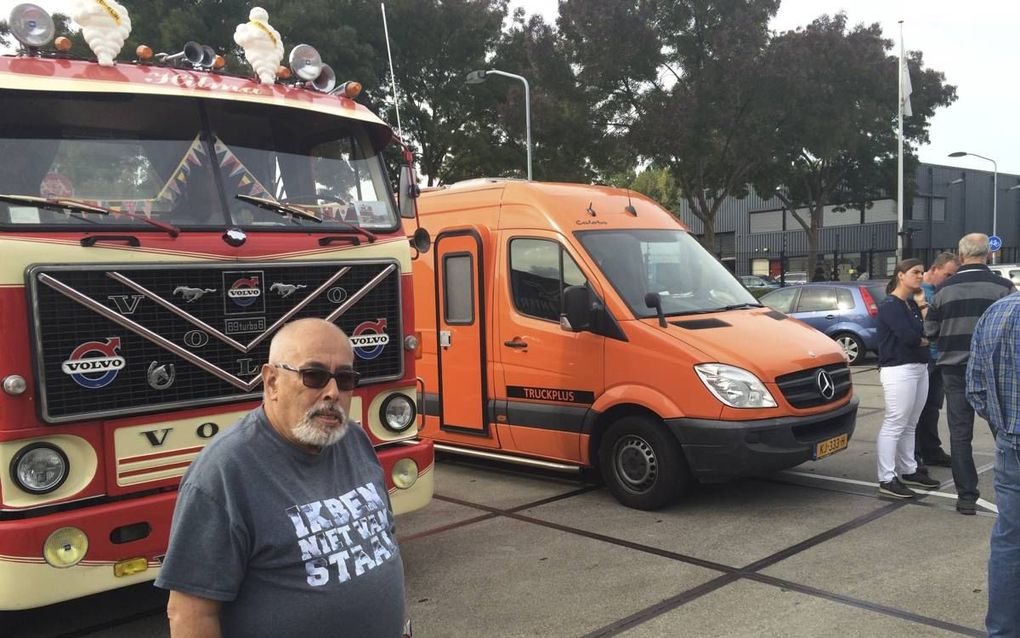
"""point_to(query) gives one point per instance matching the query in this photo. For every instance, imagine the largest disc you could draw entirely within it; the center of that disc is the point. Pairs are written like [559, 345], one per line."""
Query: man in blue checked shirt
[993, 389]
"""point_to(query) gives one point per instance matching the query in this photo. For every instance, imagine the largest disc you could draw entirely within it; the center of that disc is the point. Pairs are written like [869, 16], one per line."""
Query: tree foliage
[836, 123]
[681, 86]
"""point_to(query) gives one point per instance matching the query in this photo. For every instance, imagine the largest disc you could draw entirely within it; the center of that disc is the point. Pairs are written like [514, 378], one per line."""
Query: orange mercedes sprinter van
[583, 326]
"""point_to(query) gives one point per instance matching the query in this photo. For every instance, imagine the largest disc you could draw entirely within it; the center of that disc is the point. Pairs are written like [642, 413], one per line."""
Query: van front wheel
[642, 464]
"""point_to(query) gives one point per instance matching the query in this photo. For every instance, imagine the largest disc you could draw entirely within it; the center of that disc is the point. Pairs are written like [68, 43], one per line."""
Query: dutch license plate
[831, 446]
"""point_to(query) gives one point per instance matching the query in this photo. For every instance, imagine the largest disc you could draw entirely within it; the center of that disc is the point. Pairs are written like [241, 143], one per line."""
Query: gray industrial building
[758, 236]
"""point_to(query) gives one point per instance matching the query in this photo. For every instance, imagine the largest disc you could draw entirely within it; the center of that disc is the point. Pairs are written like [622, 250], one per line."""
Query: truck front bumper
[722, 450]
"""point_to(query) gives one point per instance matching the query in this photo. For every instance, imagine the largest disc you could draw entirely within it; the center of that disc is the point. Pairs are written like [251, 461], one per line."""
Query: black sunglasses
[317, 378]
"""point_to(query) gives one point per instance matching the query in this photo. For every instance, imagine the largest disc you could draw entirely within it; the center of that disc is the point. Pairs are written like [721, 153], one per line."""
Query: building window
[919, 210]
[938, 209]
[766, 221]
[760, 267]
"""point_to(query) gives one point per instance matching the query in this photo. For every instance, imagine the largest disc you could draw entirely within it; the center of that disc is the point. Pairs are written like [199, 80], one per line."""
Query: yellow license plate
[831, 446]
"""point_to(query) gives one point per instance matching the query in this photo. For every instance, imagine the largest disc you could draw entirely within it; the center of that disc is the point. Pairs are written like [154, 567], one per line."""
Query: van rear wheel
[642, 464]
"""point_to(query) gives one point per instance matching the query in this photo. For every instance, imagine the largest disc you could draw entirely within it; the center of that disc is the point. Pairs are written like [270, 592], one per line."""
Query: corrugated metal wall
[959, 200]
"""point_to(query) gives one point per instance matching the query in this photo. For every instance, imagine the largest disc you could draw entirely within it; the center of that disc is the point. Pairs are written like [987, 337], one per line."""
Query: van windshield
[184, 161]
[670, 263]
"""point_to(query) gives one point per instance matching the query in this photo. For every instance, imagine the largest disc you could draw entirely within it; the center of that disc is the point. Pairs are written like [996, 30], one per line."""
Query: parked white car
[1009, 271]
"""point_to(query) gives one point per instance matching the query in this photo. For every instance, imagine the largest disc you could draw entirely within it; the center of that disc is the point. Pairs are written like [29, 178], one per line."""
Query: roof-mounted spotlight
[32, 26]
[307, 65]
[326, 81]
[306, 62]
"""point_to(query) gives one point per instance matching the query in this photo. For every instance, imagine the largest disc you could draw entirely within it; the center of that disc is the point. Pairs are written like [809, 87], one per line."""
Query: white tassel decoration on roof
[262, 44]
[104, 24]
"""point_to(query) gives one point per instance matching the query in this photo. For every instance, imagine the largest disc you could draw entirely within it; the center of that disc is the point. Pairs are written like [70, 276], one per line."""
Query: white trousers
[906, 388]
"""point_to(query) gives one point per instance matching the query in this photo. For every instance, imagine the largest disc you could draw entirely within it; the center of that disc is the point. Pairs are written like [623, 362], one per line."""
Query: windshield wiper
[292, 211]
[72, 206]
[738, 306]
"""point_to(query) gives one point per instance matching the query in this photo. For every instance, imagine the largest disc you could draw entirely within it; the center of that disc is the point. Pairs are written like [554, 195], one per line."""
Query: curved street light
[477, 77]
[995, 192]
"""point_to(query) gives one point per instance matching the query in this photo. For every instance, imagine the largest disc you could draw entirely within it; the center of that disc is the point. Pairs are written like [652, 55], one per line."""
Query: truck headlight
[397, 412]
[39, 468]
[734, 386]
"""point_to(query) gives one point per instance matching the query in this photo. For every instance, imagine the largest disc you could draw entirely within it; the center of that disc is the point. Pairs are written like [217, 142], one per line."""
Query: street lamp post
[995, 192]
[477, 77]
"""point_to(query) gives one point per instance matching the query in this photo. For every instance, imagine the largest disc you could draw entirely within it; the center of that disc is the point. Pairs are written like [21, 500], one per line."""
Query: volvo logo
[825, 385]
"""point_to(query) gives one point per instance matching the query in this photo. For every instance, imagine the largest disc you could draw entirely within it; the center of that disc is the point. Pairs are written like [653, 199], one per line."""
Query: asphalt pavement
[813, 551]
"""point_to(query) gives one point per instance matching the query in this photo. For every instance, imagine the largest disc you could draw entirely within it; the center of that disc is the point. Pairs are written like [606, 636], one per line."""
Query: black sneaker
[920, 480]
[895, 488]
[940, 459]
[967, 508]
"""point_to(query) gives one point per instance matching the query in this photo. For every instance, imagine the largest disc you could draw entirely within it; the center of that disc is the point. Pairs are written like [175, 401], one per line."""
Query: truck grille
[804, 390]
[114, 340]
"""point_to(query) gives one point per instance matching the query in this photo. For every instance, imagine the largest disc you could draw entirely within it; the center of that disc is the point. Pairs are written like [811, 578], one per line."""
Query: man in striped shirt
[958, 304]
[993, 388]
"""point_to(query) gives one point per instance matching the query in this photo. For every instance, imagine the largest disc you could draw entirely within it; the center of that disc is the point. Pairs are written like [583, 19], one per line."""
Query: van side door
[460, 330]
[547, 377]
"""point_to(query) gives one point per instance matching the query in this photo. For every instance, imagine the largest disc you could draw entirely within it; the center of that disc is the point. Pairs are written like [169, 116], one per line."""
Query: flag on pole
[906, 88]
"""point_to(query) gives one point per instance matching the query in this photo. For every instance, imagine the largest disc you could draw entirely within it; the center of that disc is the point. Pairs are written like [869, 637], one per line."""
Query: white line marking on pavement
[982, 502]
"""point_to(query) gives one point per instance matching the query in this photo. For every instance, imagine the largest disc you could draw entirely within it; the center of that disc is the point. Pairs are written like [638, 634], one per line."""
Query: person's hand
[924, 342]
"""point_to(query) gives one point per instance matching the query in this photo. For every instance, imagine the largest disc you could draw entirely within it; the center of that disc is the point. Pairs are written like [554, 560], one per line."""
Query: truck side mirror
[577, 309]
[653, 300]
[407, 192]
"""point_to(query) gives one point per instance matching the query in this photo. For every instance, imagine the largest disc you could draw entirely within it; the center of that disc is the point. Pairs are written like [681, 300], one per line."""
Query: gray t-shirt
[293, 543]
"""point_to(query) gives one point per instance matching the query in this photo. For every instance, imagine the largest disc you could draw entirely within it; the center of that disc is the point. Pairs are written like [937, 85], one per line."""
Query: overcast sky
[974, 43]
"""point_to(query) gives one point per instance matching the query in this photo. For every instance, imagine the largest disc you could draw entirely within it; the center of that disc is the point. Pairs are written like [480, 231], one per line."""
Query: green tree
[840, 148]
[681, 84]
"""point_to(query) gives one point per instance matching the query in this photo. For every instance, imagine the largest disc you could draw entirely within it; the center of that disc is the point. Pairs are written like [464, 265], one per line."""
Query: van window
[816, 299]
[539, 271]
[457, 289]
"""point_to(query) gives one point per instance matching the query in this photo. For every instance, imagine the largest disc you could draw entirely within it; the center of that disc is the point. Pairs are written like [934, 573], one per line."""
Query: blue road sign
[995, 243]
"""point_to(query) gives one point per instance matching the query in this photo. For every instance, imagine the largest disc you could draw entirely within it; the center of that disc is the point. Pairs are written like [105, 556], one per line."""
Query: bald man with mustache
[283, 525]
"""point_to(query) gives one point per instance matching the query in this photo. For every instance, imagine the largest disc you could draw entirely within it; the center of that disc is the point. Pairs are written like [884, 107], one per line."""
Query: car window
[878, 293]
[844, 300]
[817, 299]
[781, 300]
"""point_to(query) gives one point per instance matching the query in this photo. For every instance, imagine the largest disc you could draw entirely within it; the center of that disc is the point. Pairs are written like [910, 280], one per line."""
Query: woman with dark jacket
[903, 370]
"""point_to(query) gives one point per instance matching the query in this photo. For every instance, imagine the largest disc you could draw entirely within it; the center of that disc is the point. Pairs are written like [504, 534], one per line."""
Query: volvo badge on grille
[825, 384]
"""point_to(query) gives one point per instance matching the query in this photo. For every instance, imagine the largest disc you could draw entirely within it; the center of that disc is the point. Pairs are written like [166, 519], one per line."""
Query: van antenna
[393, 77]
[630, 207]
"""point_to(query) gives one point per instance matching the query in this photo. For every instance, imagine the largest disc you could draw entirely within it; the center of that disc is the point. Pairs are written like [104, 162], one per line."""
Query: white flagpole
[393, 78]
[899, 164]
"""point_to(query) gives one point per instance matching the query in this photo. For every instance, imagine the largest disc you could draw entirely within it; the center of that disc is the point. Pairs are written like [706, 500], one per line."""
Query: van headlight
[39, 468]
[397, 412]
[734, 386]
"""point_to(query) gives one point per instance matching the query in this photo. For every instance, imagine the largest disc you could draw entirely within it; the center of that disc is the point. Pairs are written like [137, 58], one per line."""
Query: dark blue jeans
[1004, 562]
[961, 432]
[926, 437]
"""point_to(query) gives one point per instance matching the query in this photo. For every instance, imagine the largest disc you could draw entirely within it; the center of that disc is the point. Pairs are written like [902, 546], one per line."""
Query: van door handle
[515, 343]
[830, 316]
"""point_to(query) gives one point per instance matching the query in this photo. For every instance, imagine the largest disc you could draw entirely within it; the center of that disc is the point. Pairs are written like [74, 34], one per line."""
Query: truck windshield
[670, 263]
[183, 161]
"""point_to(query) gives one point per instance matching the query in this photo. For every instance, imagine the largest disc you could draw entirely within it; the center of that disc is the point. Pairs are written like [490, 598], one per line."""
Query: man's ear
[270, 381]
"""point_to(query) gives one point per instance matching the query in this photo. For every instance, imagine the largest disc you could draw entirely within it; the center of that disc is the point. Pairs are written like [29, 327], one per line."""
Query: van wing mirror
[653, 300]
[407, 192]
[578, 304]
